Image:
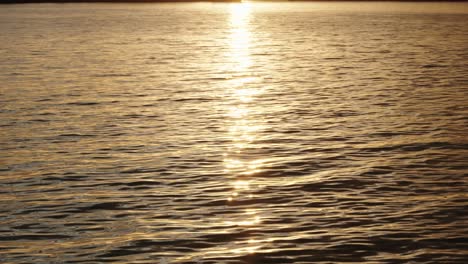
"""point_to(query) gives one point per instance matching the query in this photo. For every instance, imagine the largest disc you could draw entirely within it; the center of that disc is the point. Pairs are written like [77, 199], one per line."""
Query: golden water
[234, 133]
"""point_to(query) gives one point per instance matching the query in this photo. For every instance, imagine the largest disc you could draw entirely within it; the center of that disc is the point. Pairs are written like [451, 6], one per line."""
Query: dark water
[234, 133]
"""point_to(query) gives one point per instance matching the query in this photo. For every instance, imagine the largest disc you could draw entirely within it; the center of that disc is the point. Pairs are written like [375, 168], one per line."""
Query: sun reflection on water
[244, 124]
[240, 36]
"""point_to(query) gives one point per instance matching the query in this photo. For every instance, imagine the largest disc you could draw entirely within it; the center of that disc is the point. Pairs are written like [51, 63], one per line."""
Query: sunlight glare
[240, 35]
[239, 14]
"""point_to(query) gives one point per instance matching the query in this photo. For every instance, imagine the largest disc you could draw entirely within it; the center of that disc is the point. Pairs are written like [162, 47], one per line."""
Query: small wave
[83, 103]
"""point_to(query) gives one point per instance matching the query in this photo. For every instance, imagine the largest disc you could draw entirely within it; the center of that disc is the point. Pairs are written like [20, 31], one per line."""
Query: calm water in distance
[234, 133]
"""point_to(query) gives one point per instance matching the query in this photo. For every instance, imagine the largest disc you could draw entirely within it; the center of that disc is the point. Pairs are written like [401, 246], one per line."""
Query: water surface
[234, 133]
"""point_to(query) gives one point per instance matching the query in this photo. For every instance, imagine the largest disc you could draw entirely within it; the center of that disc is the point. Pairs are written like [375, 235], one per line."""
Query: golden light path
[243, 125]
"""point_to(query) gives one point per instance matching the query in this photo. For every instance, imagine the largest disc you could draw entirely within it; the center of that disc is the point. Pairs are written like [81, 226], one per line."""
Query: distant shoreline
[109, 1]
[213, 1]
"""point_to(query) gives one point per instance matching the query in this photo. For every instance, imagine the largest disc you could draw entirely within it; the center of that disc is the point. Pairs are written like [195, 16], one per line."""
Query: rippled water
[234, 133]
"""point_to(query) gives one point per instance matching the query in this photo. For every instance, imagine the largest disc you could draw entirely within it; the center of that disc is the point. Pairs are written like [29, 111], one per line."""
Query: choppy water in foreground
[234, 133]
